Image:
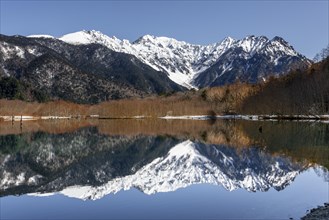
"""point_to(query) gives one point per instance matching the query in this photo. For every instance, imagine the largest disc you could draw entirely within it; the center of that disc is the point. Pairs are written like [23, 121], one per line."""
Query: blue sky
[304, 24]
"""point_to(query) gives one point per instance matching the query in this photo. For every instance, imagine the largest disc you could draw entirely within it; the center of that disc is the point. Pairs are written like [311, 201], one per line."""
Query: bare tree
[323, 54]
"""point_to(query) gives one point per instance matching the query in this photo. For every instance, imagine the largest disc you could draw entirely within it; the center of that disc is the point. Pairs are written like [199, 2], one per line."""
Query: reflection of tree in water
[73, 158]
[299, 140]
[302, 141]
[322, 172]
[94, 155]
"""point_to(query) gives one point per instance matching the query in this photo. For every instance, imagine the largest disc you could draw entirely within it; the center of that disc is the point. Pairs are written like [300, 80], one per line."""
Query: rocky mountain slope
[85, 74]
[253, 59]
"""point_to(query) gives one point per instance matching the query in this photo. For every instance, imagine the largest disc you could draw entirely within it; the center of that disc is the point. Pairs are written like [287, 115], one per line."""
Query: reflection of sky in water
[197, 201]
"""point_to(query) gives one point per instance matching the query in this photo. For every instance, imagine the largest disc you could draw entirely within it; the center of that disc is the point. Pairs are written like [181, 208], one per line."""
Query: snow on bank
[207, 117]
[55, 117]
[19, 118]
[31, 118]
[322, 118]
[188, 117]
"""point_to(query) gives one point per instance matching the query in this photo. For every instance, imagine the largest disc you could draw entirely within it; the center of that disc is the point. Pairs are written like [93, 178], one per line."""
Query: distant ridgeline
[90, 67]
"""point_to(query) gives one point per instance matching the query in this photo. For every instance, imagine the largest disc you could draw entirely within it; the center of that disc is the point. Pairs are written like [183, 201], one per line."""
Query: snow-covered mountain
[184, 62]
[190, 163]
[180, 60]
[90, 67]
[80, 73]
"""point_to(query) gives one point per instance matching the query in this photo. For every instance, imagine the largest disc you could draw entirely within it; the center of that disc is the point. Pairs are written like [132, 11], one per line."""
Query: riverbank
[320, 213]
[254, 117]
[276, 137]
[322, 118]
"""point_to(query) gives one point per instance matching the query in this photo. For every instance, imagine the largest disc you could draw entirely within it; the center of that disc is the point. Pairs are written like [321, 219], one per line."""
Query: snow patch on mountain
[96, 37]
[9, 179]
[9, 51]
[41, 36]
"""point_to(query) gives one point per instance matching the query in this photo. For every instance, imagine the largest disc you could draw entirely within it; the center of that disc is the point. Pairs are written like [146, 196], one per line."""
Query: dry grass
[303, 142]
[59, 108]
[229, 98]
[217, 100]
[48, 126]
[152, 107]
[219, 132]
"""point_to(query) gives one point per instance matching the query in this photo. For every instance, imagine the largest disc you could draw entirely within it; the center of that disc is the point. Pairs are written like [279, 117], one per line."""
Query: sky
[304, 24]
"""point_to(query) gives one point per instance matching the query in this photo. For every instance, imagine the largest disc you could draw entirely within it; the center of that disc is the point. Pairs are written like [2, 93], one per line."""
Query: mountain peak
[148, 37]
[250, 37]
[279, 39]
[84, 37]
[79, 37]
[92, 32]
[252, 44]
[255, 38]
[228, 38]
[278, 44]
[144, 38]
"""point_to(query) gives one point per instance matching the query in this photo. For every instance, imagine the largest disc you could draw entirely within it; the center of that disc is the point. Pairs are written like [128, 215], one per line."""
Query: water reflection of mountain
[88, 164]
[190, 163]
[43, 162]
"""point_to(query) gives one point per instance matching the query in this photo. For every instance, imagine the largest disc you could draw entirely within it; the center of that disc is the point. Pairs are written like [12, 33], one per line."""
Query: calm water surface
[137, 169]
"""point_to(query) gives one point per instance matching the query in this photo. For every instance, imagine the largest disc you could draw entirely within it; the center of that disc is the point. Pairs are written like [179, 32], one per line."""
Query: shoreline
[307, 118]
[319, 213]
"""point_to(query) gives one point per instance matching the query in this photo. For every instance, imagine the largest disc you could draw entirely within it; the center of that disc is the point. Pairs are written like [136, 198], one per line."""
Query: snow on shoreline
[18, 118]
[322, 118]
[32, 118]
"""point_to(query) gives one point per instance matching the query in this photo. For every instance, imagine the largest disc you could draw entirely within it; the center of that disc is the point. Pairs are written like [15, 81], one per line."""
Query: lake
[162, 169]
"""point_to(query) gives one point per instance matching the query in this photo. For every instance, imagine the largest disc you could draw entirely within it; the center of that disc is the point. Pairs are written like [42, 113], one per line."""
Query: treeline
[228, 99]
[303, 142]
[300, 92]
[211, 101]
[322, 55]
[299, 140]
[12, 88]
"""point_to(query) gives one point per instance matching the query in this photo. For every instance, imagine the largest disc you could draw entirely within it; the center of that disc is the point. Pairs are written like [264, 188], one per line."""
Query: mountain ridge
[110, 68]
[182, 61]
[79, 73]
